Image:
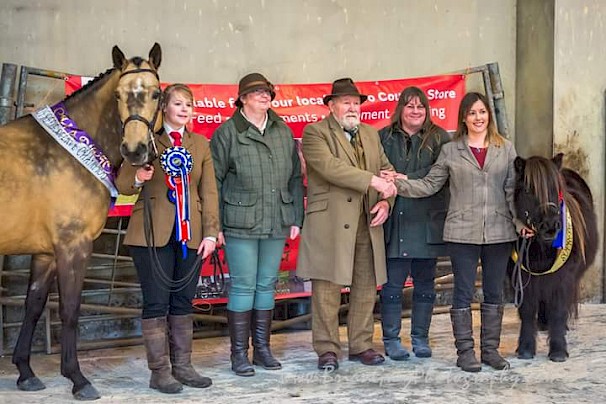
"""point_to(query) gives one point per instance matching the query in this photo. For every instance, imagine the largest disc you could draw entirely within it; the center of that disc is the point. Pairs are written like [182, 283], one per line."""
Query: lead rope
[517, 280]
[166, 283]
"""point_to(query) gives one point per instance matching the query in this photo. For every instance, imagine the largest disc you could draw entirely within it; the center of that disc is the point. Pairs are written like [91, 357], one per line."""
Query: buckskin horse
[558, 205]
[53, 207]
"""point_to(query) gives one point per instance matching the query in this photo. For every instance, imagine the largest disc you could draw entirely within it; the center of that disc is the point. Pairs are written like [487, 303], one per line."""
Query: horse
[557, 204]
[53, 207]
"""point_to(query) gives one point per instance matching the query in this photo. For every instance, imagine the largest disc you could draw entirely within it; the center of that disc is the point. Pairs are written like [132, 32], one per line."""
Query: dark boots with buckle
[156, 347]
[261, 333]
[420, 320]
[181, 332]
[463, 332]
[490, 337]
[239, 334]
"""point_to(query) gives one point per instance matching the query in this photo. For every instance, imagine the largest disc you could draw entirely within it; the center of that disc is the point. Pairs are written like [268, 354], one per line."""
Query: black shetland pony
[557, 204]
[53, 208]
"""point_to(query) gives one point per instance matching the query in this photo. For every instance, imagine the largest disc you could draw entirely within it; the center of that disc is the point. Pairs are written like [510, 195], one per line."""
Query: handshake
[385, 184]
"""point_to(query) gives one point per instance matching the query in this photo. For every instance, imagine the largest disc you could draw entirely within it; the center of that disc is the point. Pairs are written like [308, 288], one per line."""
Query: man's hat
[344, 86]
[252, 82]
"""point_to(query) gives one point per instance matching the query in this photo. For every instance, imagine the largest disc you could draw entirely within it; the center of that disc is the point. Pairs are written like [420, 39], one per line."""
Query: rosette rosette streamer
[177, 163]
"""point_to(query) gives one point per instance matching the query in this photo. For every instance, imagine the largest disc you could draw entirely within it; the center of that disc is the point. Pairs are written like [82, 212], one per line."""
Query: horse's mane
[100, 79]
[542, 176]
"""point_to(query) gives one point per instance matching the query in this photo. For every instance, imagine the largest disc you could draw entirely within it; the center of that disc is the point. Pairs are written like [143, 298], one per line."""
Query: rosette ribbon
[177, 163]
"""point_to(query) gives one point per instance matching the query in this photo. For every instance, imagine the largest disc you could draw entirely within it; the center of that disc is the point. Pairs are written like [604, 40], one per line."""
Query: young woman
[185, 224]
[479, 226]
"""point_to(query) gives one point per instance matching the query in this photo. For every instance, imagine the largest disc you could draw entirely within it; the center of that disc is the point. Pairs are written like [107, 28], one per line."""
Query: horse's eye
[117, 95]
[156, 94]
[526, 213]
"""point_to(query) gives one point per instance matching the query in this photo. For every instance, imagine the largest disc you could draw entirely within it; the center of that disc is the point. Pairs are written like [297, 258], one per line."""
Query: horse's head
[538, 194]
[138, 95]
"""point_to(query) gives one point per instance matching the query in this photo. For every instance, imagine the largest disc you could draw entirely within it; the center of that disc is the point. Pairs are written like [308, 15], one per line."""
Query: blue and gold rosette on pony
[177, 162]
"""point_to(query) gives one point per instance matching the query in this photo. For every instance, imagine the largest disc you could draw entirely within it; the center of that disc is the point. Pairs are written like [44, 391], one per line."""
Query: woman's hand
[207, 246]
[144, 173]
[392, 176]
[294, 232]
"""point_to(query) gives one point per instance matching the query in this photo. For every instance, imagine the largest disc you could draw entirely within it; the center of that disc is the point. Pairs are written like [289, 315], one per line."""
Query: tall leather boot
[462, 328]
[261, 333]
[420, 320]
[181, 331]
[490, 337]
[239, 334]
[156, 347]
[391, 322]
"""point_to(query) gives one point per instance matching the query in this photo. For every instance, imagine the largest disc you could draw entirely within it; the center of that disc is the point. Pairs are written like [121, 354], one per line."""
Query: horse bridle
[136, 117]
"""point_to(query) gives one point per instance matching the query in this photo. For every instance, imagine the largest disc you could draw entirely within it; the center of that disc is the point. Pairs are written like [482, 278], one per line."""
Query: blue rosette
[176, 161]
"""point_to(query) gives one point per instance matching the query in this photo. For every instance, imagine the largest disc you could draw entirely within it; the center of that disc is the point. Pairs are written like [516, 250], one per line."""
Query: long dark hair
[492, 135]
[429, 130]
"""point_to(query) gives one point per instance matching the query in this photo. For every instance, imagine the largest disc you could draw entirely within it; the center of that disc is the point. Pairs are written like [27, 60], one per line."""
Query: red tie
[176, 138]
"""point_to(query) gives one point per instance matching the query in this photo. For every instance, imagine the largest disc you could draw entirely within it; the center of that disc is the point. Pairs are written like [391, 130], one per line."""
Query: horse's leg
[557, 325]
[71, 266]
[527, 343]
[40, 279]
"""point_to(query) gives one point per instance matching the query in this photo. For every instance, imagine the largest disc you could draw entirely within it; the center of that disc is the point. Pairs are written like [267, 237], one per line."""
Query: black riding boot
[180, 340]
[490, 337]
[391, 322]
[239, 334]
[420, 320]
[462, 328]
[261, 333]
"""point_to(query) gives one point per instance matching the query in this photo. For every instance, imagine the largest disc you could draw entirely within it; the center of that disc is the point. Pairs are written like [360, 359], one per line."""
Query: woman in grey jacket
[258, 174]
[479, 225]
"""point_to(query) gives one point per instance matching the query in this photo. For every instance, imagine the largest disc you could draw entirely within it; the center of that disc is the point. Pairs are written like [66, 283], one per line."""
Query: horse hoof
[87, 393]
[31, 384]
[558, 357]
[525, 355]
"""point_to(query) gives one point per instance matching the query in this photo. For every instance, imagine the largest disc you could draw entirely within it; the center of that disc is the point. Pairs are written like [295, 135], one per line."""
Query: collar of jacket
[242, 124]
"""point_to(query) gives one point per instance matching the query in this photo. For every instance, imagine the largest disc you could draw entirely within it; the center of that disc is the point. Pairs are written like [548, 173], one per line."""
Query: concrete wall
[290, 41]
[578, 104]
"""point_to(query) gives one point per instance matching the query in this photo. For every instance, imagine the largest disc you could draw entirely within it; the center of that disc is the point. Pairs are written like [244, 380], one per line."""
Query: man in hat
[342, 242]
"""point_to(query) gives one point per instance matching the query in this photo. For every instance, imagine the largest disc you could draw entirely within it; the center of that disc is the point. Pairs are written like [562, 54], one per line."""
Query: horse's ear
[519, 164]
[155, 56]
[118, 57]
[557, 160]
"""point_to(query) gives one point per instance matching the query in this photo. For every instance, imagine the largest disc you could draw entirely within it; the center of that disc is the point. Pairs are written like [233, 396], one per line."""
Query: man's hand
[220, 239]
[207, 246]
[381, 212]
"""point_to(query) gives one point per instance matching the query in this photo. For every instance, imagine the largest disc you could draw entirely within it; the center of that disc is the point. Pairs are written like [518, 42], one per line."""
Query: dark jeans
[423, 272]
[158, 301]
[465, 257]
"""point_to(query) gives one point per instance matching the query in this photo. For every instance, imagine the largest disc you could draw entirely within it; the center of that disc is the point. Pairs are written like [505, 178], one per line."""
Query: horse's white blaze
[138, 88]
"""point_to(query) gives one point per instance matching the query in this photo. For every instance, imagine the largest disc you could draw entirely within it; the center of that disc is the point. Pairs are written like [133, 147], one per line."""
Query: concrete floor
[121, 375]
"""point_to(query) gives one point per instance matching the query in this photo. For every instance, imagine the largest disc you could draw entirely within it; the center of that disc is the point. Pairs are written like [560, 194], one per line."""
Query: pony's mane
[541, 176]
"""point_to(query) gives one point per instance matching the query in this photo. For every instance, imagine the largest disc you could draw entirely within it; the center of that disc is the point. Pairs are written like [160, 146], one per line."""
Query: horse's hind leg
[527, 342]
[71, 265]
[40, 279]
[558, 320]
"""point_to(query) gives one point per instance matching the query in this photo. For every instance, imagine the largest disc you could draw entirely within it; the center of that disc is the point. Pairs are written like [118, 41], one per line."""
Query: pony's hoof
[558, 357]
[525, 355]
[87, 393]
[31, 384]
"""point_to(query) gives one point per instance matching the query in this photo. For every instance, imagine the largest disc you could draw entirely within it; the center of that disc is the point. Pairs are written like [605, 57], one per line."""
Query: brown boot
[180, 339]
[261, 332]
[490, 336]
[156, 347]
[462, 328]
[239, 334]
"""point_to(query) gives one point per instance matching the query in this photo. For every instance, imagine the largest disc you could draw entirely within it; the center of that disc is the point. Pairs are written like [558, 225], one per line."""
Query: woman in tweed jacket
[260, 186]
[479, 225]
